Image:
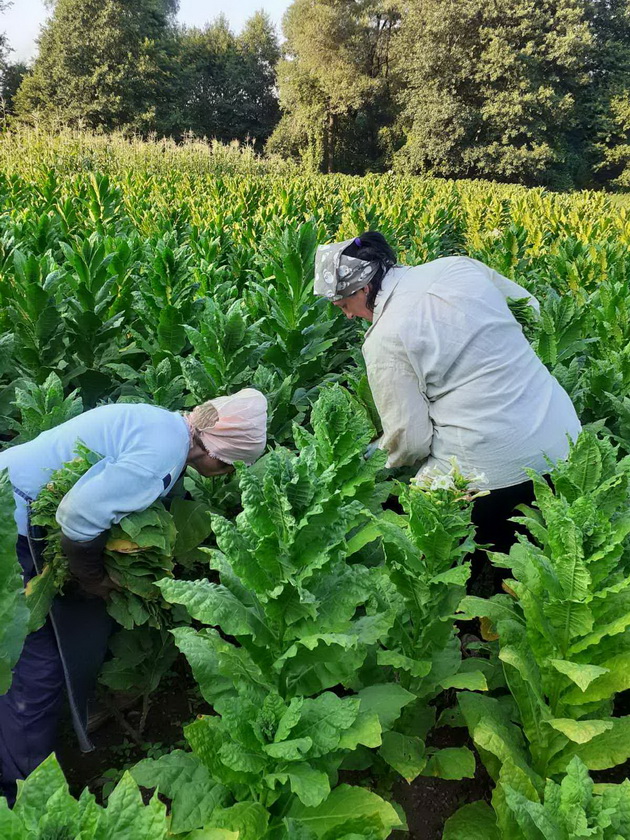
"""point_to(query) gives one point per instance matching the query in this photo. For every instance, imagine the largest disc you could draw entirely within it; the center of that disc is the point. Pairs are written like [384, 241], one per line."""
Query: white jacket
[453, 374]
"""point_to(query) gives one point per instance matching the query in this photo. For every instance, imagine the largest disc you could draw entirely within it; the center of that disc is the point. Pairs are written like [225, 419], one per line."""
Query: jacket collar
[390, 281]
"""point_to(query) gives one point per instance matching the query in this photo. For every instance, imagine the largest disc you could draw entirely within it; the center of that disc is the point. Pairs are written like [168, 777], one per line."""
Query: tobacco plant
[45, 809]
[289, 622]
[42, 407]
[572, 808]
[426, 552]
[163, 276]
[561, 632]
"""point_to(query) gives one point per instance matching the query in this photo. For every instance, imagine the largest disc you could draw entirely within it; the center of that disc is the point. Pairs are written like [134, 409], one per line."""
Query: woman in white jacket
[451, 371]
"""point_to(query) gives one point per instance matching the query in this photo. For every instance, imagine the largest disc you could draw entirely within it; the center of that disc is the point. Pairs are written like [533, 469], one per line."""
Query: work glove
[85, 561]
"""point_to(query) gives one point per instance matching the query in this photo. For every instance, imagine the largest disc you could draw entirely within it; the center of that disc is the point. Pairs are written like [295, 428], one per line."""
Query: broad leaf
[13, 609]
[475, 820]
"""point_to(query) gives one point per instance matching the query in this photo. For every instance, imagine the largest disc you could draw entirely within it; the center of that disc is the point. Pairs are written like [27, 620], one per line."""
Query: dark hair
[197, 439]
[373, 248]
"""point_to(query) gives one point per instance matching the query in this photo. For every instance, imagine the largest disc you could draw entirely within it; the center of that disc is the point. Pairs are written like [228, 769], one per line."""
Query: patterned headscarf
[338, 276]
[232, 428]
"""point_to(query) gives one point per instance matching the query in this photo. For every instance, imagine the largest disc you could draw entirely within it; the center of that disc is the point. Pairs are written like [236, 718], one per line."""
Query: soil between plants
[427, 802]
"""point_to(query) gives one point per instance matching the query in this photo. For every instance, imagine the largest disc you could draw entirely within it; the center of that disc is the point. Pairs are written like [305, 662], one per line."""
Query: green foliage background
[519, 91]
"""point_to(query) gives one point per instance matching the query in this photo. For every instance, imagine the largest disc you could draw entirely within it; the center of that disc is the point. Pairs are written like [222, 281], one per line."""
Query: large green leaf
[13, 609]
[387, 700]
[215, 605]
[365, 730]
[311, 786]
[475, 820]
[127, 816]
[349, 808]
[186, 781]
[248, 819]
[11, 826]
[193, 522]
[324, 719]
[405, 753]
[471, 680]
[616, 799]
[141, 657]
[34, 793]
[610, 748]
[532, 817]
[451, 763]
[219, 667]
[493, 732]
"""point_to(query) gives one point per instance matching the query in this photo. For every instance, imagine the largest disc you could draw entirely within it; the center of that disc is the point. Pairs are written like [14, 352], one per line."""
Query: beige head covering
[232, 428]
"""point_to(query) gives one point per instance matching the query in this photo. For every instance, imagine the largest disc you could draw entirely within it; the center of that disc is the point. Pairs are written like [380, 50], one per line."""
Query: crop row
[319, 625]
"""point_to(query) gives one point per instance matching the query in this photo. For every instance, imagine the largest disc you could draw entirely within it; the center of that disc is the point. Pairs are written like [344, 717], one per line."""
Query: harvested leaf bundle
[138, 553]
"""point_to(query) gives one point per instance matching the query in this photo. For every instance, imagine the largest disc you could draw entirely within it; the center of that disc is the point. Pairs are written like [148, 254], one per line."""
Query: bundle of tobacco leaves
[138, 553]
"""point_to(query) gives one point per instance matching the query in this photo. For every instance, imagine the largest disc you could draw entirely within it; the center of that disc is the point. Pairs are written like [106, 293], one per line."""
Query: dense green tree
[612, 152]
[334, 82]
[7, 73]
[227, 82]
[606, 108]
[11, 76]
[260, 51]
[492, 88]
[4, 43]
[102, 63]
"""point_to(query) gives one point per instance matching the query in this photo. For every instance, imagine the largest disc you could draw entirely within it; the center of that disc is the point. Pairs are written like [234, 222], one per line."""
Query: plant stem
[124, 723]
[146, 702]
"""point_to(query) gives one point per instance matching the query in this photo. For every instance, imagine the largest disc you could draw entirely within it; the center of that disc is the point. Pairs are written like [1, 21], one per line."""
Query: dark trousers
[491, 516]
[29, 712]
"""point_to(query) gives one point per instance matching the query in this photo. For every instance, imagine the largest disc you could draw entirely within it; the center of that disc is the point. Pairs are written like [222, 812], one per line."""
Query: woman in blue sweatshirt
[144, 451]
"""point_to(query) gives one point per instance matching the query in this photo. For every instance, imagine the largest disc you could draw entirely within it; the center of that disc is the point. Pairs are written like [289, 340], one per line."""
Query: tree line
[526, 91]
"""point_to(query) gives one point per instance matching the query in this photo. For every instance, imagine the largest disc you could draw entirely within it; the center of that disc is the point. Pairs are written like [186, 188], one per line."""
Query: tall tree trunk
[330, 142]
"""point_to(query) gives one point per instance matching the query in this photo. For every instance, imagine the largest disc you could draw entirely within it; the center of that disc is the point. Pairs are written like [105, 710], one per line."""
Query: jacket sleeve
[403, 407]
[107, 492]
[507, 287]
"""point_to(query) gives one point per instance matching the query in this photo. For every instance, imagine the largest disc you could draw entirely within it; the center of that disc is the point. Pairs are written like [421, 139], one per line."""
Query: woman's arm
[507, 287]
[403, 408]
[106, 493]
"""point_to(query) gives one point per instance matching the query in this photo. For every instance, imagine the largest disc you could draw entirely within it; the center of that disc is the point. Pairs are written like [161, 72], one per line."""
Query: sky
[23, 20]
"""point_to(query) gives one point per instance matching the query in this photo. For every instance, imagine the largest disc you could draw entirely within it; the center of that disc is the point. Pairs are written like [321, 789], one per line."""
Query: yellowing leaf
[471, 680]
[509, 590]
[581, 675]
[580, 731]
[123, 546]
[486, 627]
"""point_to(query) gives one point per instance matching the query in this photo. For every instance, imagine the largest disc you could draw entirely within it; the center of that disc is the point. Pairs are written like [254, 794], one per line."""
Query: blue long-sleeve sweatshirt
[144, 451]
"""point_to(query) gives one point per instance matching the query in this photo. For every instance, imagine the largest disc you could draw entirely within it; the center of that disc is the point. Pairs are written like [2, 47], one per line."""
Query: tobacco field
[316, 601]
